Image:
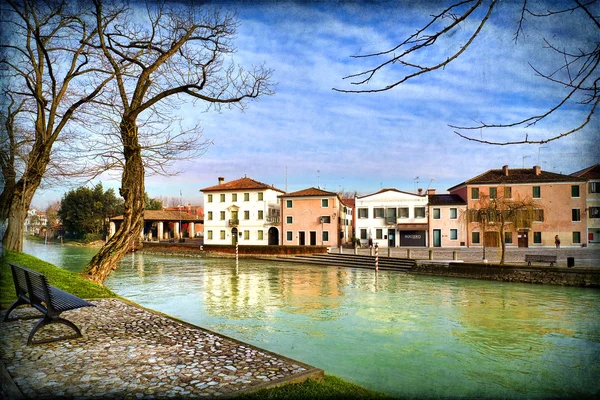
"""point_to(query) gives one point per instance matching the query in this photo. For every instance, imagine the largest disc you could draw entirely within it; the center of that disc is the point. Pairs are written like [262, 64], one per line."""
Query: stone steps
[354, 261]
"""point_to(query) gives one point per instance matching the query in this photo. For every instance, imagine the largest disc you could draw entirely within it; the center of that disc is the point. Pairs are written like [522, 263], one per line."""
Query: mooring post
[376, 257]
[407, 253]
[430, 254]
[389, 251]
[455, 255]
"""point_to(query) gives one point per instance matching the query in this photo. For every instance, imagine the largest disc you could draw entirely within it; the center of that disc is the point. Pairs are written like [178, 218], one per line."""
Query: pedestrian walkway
[130, 352]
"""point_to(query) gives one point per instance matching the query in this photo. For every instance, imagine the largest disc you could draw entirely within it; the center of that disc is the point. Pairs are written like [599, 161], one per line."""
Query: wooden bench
[540, 258]
[32, 288]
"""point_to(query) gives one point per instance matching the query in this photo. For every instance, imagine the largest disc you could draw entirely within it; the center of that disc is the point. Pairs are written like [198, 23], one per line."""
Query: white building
[392, 218]
[242, 211]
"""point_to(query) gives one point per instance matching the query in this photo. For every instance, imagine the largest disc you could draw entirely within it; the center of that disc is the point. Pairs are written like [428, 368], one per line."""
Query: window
[475, 194]
[210, 198]
[493, 193]
[403, 212]
[222, 215]
[246, 196]
[475, 237]
[325, 203]
[575, 191]
[222, 235]
[378, 212]
[453, 213]
[576, 237]
[210, 215]
[453, 234]
[209, 235]
[537, 192]
[325, 236]
[246, 214]
[260, 235]
[289, 236]
[260, 214]
[594, 212]
[246, 235]
[537, 237]
[575, 215]
[234, 197]
[325, 219]
[594, 187]
[378, 233]
[288, 204]
[437, 213]
[419, 212]
[260, 196]
[508, 192]
[363, 234]
[538, 215]
[289, 220]
[508, 237]
[363, 213]
[222, 198]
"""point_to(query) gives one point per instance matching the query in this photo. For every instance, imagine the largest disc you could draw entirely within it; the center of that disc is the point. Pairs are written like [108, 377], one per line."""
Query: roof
[445, 200]
[309, 192]
[349, 202]
[391, 190]
[592, 172]
[162, 215]
[244, 183]
[517, 175]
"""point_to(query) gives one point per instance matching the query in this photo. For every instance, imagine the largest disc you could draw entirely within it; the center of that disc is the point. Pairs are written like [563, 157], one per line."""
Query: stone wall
[539, 275]
[228, 250]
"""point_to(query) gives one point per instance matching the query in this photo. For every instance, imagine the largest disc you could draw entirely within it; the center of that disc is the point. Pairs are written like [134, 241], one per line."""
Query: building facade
[392, 218]
[592, 174]
[242, 211]
[315, 217]
[559, 201]
[447, 227]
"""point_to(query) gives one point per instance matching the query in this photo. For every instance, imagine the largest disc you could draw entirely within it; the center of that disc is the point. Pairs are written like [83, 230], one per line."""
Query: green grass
[330, 387]
[58, 277]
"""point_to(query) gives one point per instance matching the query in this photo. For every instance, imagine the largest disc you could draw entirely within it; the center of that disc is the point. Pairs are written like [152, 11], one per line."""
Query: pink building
[314, 217]
[446, 223]
[560, 201]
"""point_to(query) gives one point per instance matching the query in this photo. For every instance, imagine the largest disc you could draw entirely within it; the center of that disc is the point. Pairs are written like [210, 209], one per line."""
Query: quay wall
[581, 277]
[214, 250]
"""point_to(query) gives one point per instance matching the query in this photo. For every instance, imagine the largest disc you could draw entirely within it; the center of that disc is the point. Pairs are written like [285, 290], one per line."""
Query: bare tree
[48, 74]
[500, 215]
[162, 53]
[577, 72]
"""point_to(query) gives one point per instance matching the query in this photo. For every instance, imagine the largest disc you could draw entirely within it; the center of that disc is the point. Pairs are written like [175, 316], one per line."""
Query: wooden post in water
[455, 255]
[431, 254]
[236, 254]
[376, 257]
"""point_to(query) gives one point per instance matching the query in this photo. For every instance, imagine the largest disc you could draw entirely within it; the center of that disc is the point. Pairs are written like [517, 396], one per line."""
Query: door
[523, 239]
[313, 238]
[490, 239]
[391, 238]
[437, 238]
[302, 238]
[234, 236]
[273, 236]
[234, 218]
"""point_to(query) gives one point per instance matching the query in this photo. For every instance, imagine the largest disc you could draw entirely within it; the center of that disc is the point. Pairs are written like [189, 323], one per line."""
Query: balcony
[273, 219]
[234, 222]
[390, 220]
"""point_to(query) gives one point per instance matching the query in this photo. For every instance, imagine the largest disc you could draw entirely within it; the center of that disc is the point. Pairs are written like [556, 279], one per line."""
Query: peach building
[560, 202]
[446, 220]
[593, 202]
[314, 217]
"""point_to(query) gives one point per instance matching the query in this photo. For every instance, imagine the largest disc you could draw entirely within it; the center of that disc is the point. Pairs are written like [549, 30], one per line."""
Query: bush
[92, 237]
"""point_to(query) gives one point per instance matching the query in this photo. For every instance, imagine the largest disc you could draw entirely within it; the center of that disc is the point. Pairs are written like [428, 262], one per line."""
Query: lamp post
[483, 223]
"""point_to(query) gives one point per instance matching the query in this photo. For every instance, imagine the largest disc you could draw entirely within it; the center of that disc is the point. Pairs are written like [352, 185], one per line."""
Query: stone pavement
[130, 352]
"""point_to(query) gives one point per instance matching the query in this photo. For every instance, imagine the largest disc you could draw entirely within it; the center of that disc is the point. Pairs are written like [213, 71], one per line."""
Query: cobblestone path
[130, 352]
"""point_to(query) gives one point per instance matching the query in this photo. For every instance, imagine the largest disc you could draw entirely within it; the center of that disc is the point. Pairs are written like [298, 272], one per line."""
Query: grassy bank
[330, 388]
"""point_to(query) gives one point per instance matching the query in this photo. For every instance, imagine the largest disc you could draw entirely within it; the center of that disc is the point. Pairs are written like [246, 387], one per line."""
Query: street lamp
[483, 221]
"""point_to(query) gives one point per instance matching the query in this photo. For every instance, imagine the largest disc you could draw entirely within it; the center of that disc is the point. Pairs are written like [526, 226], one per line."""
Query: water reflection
[410, 336]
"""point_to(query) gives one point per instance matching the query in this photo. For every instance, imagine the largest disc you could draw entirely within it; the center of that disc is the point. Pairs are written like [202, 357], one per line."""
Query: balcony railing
[234, 222]
[390, 220]
[272, 219]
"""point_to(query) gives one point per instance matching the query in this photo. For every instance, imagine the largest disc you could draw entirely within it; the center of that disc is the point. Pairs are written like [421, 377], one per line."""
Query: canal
[405, 335]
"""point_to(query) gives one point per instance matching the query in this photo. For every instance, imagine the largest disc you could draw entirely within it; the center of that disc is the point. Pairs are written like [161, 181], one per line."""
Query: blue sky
[307, 135]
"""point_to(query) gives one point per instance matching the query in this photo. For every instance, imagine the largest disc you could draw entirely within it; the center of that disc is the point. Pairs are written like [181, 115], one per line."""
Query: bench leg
[17, 303]
[47, 321]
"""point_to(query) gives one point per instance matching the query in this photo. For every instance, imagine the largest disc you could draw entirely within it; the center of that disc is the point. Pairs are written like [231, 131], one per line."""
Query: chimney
[221, 180]
[420, 191]
[430, 192]
[537, 170]
[505, 170]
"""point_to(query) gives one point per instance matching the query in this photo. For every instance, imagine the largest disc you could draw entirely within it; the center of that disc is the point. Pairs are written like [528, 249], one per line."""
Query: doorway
[437, 238]
[234, 236]
[313, 238]
[523, 239]
[273, 236]
[391, 238]
[302, 238]
[490, 239]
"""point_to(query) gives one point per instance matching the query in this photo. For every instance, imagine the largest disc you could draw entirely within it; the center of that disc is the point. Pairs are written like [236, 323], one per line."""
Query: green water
[409, 336]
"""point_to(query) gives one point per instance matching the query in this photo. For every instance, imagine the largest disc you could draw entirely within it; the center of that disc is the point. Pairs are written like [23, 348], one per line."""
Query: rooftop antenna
[286, 189]
[319, 179]
[524, 157]
[540, 148]
[416, 183]
[432, 180]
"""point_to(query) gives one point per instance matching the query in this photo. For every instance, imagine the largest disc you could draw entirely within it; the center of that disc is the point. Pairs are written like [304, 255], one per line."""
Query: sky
[308, 135]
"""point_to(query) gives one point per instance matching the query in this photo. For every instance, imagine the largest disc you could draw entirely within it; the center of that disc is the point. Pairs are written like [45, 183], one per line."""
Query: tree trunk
[502, 244]
[132, 190]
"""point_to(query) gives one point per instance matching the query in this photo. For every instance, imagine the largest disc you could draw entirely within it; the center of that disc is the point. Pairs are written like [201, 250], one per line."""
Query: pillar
[112, 228]
[192, 229]
[176, 234]
[160, 230]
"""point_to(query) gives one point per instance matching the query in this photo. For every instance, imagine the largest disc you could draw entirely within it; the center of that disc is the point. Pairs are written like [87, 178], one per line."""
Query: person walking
[557, 241]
